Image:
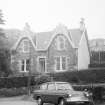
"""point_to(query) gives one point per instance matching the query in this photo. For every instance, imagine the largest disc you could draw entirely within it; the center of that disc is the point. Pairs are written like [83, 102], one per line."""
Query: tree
[1, 22]
[5, 62]
[4, 52]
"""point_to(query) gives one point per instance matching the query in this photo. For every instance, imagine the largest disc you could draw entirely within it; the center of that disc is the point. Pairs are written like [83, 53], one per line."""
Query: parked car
[60, 93]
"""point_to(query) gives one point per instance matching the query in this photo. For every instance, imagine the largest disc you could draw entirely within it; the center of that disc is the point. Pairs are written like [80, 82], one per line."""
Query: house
[97, 49]
[59, 50]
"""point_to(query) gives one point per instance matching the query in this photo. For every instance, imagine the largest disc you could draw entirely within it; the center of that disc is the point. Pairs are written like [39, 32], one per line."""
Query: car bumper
[78, 100]
[80, 103]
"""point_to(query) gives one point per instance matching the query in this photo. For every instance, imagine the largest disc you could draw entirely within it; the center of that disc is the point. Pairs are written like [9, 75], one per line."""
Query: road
[17, 101]
[23, 101]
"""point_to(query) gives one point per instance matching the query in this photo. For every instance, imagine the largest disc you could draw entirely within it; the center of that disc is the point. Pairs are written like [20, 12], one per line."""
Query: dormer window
[25, 45]
[61, 43]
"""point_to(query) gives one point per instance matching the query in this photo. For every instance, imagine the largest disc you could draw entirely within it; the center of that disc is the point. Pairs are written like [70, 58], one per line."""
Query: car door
[43, 91]
[51, 92]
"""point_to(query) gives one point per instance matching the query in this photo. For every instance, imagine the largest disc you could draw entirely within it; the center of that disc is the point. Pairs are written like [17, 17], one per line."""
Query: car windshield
[64, 86]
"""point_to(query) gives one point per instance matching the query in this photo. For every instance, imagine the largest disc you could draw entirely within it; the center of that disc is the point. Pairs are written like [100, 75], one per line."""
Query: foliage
[5, 62]
[1, 17]
[42, 78]
[5, 92]
[15, 82]
[82, 76]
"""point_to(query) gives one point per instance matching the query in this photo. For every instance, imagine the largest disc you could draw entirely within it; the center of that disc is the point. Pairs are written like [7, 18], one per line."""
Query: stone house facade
[59, 50]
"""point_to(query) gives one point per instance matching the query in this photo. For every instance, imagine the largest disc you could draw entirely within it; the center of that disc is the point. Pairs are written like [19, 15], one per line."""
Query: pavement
[24, 100]
[18, 100]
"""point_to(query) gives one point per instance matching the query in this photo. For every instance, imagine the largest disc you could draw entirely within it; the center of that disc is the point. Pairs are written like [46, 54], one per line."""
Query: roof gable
[42, 40]
[76, 35]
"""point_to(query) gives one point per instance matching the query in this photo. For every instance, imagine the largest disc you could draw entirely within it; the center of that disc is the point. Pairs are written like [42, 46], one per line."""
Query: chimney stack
[82, 25]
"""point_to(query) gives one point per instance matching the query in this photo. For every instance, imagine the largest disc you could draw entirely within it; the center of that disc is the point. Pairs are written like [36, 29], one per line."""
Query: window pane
[61, 39]
[63, 63]
[22, 66]
[64, 86]
[26, 45]
[51, 87]
[27, 65]
[44, 87]
[57, 63]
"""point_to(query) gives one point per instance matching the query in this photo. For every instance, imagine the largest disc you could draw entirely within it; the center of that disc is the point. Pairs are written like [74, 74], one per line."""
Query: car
[60, 93]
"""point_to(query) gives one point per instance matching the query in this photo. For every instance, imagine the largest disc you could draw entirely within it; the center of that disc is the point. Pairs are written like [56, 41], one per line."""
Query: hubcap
[61, 102]
[39, 101]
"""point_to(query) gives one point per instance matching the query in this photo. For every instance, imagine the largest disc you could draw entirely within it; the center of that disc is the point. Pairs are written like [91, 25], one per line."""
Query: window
[42, 63]
[61, 43]
[60, 63]
[25, 65]
[43, 87]
[12, 59]
[64, 86]
[25, 45]
[51, 86]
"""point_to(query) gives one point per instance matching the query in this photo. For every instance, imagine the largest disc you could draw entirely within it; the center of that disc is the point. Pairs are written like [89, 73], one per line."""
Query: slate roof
[12, 35]
[76, 36]
[41, 39]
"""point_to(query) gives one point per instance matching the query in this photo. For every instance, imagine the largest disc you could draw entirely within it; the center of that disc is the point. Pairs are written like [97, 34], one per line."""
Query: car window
[51, 86]
[64, 86]
[43, 87]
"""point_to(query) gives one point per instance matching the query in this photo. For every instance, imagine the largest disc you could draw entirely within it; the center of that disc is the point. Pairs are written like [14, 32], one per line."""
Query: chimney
[82, 25]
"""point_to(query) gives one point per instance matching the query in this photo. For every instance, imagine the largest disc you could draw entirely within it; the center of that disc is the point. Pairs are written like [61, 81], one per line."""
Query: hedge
[78, 77]
[15, 82]
[82, 76]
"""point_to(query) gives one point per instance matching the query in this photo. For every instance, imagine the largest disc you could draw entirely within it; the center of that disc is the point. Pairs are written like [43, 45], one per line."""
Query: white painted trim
[24, 46]
[58, 30]
[83, 33]
[45, 62]
[61, 70]
[24, 66]
[20, 39]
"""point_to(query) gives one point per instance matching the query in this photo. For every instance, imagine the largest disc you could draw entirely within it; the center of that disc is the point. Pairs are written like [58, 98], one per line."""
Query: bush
[15, 82]
[43, 78]
[81, 77]
[13, 92]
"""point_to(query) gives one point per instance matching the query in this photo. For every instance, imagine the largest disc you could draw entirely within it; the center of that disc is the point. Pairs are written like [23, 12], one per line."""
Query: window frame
[24, 45]
[24, 65]
[38, 59]
[51, 89]
[59, 42]
[43, 85]
[61, 64]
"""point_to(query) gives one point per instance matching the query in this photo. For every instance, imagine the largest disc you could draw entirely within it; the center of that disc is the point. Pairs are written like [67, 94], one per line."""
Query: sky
[45, 15]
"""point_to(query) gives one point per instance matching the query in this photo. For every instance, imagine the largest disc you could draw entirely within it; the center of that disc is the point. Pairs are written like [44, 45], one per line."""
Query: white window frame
[12, 59]
[24, 66]
[58, 42]
[61, 70]
[23, 46]
[45, 62]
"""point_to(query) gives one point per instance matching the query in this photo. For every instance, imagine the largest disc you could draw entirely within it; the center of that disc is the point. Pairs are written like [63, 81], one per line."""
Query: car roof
[56, 82]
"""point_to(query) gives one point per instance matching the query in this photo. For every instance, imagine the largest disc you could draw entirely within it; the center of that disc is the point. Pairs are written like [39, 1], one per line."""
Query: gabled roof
[42, 39]
[76, 35]
[12, 35]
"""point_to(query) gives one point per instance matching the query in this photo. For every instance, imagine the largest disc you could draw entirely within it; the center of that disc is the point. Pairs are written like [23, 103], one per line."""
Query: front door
[42, 64]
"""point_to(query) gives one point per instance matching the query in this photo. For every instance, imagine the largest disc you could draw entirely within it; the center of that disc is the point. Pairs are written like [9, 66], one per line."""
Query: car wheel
[39, 101]
[61, 102]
